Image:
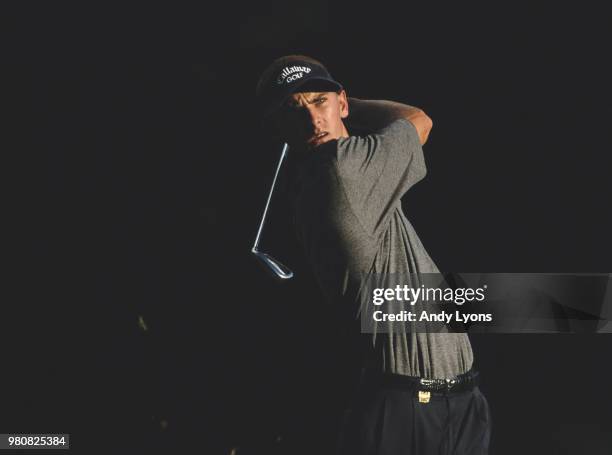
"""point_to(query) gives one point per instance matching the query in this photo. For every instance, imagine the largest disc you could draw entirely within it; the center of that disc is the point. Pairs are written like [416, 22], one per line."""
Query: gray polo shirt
[350, 222]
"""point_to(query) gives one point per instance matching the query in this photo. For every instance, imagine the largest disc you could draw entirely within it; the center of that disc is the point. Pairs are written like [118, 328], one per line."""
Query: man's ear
[343, 100]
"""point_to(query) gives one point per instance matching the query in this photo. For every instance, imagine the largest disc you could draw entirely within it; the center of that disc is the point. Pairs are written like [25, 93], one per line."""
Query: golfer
[416, 391]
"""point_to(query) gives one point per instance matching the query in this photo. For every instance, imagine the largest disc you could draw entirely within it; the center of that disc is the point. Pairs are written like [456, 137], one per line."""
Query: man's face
[313, 118]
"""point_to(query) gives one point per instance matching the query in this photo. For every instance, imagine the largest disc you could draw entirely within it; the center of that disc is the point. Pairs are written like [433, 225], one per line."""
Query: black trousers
[392, 421]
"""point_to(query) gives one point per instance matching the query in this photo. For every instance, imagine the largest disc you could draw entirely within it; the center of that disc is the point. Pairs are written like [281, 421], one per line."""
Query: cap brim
[315, 84]
[312, 84]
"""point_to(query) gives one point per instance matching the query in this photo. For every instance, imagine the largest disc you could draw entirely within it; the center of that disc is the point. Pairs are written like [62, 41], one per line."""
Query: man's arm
[373, 115]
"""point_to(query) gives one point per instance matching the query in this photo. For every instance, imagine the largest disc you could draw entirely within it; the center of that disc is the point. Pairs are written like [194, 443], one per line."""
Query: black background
[142, 173]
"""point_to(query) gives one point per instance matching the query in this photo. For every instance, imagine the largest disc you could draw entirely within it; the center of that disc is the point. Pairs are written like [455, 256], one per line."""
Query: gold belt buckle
[424, 396]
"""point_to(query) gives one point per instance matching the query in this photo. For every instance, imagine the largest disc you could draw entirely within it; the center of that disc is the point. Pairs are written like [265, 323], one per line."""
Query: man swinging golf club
[355, 159]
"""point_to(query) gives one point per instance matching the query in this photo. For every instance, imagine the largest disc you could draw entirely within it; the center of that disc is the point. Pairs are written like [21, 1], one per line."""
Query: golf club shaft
[263, 218]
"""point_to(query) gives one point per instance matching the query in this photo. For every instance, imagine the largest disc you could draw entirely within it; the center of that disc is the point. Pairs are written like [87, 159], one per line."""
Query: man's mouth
[317, 138]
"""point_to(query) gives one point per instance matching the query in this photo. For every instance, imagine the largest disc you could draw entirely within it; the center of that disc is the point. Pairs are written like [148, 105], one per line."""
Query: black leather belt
[460, 383]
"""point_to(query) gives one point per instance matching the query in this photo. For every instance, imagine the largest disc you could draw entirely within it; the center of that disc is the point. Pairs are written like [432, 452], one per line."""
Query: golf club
[280, 271]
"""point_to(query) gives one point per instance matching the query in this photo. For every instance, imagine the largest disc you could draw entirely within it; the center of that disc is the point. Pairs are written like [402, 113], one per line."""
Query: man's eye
[320, 100]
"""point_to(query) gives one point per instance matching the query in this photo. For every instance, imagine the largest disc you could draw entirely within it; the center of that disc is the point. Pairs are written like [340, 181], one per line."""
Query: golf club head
[279, 270]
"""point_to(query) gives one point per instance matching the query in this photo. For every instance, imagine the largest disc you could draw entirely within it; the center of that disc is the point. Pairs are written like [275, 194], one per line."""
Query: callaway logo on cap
[291, 74]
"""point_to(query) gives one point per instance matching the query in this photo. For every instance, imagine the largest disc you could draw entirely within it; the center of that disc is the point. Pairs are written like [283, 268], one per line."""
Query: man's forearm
[374, 115]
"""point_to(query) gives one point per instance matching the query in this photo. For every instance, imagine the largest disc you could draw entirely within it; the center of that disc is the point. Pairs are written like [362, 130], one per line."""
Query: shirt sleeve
[376, 171]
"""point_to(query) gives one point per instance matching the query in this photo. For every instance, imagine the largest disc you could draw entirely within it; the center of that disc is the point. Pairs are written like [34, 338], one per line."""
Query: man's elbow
[423, 124]
[427, 126]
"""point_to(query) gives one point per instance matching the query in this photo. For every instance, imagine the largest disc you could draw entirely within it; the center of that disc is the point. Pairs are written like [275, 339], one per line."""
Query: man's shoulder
[360, 145]
[400, 129]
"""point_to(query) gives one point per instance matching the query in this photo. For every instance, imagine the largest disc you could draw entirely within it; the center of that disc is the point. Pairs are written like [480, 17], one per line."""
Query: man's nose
[313, 116]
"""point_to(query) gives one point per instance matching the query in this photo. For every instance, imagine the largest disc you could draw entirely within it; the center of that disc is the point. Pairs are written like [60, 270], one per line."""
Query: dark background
[142, 172]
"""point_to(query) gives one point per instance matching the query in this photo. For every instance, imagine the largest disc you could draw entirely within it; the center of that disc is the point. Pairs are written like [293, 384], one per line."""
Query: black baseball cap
[292, 74]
